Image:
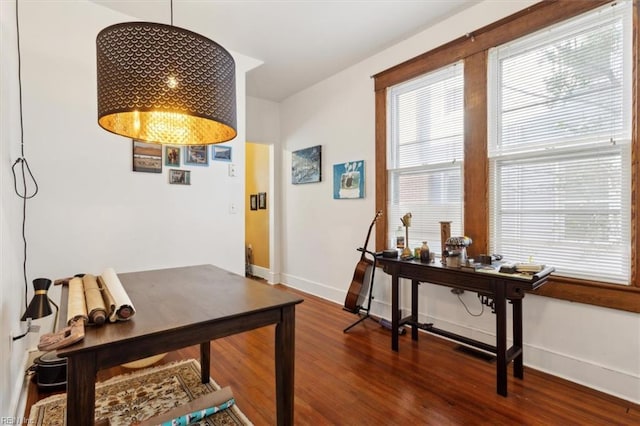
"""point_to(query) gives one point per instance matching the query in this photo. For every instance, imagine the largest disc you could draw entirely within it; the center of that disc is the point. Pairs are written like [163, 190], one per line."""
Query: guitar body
[359, 287]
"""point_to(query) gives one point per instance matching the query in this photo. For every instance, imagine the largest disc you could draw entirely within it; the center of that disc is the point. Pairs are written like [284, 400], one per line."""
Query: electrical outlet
[457, 291]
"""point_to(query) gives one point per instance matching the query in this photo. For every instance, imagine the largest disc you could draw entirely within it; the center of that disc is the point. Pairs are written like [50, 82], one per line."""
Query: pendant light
[163, 84]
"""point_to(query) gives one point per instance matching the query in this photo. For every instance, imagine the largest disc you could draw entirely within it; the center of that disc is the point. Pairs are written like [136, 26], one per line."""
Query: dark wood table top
[479, 281]
[170, 300]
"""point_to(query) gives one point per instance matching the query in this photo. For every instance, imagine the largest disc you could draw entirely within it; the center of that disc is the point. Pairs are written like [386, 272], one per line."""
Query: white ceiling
[300, 42]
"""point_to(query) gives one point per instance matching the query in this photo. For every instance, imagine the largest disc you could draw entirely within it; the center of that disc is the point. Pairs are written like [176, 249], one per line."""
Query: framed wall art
[172, 156]
[179, 177]
[262, 200]
[306, 165]
[348, 180]
[196, 155]
[221, 153]
[147, 157]
[254, 201]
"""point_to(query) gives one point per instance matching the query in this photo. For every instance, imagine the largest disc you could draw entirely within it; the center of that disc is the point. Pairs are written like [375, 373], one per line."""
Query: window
[559, 146]
[424, 155]
[547, 168]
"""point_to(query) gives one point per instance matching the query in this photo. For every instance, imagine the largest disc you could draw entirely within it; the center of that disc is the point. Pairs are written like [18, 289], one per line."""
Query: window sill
[626, 298]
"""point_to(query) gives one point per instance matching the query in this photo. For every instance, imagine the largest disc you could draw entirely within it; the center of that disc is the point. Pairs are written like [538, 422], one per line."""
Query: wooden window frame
[473, 49]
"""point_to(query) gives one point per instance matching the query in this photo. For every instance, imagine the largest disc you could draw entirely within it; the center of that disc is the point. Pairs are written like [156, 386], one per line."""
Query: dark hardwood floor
[355, 379]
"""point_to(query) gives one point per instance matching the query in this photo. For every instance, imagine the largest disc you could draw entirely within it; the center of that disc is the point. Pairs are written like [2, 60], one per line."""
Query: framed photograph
[196, 155]
[172, 156]
[262, 200]
[221, 153]
[254, 201]
[348, 180]
[147, 157]
[179, 177]
[306, 165]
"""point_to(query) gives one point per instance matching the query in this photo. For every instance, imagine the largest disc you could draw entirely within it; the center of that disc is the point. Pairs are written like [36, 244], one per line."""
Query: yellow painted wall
[257, 221]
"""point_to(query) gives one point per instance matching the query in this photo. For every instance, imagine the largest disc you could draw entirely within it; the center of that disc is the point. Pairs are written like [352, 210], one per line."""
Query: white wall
[263, 121]
[11, 299]
[594, 346]
[92, 211]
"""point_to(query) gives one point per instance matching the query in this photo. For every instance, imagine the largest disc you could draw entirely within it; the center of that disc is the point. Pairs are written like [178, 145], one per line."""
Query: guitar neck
[366, 241]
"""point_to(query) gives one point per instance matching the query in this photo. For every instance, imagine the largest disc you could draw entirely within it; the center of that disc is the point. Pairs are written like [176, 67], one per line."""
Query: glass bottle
[400, 238]
[424, 253]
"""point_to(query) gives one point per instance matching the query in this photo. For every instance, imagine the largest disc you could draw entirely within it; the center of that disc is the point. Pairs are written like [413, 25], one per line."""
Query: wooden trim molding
[476, 172]
[517, 25]
[381, 167]
[473, 49]
[625, 298]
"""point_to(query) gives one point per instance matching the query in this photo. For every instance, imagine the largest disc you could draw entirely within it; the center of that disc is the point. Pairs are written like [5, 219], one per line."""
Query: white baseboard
[271, 277]
[311, 287]
[626, 385]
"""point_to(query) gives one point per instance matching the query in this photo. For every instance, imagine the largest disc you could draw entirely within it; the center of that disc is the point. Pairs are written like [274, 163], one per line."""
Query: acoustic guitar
[358, 289]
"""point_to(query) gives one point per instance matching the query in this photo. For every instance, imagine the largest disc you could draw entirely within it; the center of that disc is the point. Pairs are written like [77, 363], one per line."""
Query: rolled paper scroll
[77, 306]
[95, 303]
[120, 305]
[109, 303]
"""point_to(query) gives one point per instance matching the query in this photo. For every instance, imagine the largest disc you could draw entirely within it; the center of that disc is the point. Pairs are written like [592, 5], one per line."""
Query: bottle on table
[424, 253]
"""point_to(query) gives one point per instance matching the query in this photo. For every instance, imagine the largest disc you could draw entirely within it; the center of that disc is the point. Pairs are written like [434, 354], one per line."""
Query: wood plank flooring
[355, 379]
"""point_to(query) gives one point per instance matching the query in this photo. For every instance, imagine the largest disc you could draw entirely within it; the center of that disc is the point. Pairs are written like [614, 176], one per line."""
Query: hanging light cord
[24, 168]
[171, 13]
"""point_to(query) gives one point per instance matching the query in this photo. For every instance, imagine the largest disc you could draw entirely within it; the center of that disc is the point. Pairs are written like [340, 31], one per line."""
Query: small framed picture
[172, 156]
[147, 157]
[196, 155]
[179, 177]
[221, 153]
[254, 201]
[348, 180]
[262, 200]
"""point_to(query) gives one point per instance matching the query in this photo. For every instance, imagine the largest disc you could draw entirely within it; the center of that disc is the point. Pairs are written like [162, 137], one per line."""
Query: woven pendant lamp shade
[164, 84]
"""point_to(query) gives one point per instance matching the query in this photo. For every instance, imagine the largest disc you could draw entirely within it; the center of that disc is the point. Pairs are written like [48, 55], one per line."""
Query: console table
[176, 308]
[499, 287]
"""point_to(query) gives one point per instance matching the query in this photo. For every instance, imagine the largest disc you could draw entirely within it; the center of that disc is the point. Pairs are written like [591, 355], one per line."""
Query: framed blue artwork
[306, 165]
[348, 180]
[221, 153]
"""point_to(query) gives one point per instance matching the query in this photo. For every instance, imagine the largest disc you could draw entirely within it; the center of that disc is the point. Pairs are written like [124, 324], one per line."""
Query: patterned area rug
[130, 398]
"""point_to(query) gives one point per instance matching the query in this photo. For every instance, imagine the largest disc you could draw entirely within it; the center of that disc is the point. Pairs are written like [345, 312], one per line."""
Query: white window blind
[424, 155]
[559, 146]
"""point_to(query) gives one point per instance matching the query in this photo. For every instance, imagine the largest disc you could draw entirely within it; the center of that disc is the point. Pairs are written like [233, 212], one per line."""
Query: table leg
[205, 362]
[285, 366]
[501, 337]
[395, 312]
[81, 389]
[414, 309]
[518, 370]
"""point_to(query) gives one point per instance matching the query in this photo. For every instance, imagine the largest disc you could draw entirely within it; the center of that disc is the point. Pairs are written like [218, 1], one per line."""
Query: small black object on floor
[475, 353]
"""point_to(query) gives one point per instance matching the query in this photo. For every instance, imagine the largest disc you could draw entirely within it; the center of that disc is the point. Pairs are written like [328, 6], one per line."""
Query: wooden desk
[496, 286]
[176, 308]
